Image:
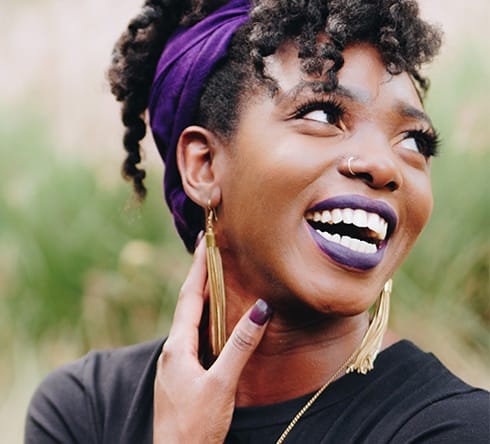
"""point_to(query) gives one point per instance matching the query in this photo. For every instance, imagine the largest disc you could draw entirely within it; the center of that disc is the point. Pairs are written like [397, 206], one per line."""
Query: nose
[375, 165]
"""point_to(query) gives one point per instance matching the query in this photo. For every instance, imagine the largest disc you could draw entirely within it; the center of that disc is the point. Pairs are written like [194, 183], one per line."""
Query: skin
[285, 165]
[194, 405]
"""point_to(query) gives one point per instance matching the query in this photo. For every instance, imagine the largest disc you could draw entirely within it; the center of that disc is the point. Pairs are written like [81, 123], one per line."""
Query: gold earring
[363, 360]
[216, 286]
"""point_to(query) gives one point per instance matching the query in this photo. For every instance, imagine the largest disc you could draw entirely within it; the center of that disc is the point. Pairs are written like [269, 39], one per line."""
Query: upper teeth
[357, 217]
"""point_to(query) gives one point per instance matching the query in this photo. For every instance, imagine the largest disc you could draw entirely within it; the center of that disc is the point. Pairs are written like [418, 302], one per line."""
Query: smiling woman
[295, 135]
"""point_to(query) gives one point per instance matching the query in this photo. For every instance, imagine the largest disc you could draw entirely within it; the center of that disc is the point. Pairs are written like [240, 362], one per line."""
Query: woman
[294, 134]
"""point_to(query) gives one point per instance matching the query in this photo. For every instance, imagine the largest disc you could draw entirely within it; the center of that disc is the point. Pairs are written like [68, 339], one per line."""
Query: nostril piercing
[349, 166]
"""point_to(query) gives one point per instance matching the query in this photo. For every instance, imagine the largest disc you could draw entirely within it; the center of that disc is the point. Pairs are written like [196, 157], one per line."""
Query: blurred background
[82, 266]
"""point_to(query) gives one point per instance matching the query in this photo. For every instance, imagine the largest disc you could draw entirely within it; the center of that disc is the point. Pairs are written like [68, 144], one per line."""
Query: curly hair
[394, 27]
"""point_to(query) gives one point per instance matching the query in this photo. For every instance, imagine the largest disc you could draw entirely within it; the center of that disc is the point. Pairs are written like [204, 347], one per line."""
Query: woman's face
[293, 218]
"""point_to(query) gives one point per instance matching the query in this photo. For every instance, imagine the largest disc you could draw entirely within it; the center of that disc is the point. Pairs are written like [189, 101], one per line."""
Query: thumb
[243, 341]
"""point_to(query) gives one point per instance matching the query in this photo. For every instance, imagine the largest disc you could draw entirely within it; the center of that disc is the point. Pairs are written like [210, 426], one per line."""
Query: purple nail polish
[261, 312]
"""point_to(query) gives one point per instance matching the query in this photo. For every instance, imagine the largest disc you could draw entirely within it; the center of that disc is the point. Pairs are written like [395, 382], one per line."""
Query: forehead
[363, 74]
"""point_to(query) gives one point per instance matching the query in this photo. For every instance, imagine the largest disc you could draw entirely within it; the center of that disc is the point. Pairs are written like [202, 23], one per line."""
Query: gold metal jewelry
[371, 343]
[313, 399]
[217, 300]
[349, 166]
[362, 360]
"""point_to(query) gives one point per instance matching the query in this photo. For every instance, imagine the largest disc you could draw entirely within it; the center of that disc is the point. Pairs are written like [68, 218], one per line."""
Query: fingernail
[199, 238]
[260, 313]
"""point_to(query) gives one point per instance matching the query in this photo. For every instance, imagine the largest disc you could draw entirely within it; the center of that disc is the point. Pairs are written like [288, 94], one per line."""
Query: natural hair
[394, 27]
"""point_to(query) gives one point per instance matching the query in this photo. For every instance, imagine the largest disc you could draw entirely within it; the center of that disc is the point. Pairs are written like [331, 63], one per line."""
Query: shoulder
[455, 418]
[83, 398]
[438, 406]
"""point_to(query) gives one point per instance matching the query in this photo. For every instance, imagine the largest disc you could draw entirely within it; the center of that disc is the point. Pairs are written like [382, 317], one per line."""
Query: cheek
[264, 190]
[273, 170]
[420, 204]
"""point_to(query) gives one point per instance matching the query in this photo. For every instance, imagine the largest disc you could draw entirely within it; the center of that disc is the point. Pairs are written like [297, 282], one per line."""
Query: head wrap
[187, 60]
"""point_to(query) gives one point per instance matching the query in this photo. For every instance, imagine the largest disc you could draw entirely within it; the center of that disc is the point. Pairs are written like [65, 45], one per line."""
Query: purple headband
[184, 66]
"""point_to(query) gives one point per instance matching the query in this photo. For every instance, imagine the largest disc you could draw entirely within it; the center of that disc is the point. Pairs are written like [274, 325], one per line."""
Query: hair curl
[394, 27]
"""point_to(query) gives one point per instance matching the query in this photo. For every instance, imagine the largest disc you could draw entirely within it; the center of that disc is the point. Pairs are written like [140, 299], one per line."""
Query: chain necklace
[312, 400]
[363, 357]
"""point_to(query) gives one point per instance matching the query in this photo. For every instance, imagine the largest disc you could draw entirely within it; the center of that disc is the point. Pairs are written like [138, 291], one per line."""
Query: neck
[293, 361]
[302, 347]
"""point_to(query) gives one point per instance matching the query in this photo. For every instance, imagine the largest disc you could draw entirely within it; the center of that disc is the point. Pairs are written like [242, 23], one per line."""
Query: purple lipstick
[353, 230]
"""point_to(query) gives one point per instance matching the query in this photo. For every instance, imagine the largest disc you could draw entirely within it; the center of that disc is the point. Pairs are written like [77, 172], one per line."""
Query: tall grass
[75, 259]
[444, 284]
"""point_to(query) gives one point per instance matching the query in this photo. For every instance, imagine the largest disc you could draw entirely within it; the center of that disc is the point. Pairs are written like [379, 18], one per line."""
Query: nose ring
[349, 166]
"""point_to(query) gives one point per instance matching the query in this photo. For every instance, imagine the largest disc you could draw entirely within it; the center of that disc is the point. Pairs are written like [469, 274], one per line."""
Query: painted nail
[261, 312]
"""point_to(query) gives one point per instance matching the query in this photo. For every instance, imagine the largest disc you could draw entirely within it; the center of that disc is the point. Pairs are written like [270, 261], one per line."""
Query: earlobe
[195, 160]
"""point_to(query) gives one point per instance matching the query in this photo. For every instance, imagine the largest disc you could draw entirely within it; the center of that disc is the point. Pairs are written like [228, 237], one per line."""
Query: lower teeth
[349, 242]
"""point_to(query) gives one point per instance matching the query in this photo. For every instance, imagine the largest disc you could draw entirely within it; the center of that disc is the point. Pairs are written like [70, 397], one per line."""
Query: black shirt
[410, 397]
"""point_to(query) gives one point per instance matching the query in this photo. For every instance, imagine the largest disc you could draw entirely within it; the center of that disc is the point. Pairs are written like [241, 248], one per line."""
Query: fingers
[243, 341]
[190, 302]
[183, 338]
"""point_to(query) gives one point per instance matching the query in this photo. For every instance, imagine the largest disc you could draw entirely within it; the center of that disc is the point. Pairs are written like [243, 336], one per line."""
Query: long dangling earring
[216, 286]
[363, 360]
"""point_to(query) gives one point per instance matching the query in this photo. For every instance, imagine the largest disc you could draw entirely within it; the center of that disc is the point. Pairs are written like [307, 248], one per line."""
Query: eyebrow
[339, 91]
[401, 107]
[410, 111]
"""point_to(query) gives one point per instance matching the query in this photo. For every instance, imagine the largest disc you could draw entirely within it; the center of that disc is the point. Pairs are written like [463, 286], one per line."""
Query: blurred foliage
[447, 274]
[77, 254]
[446, 279]
[79, 260]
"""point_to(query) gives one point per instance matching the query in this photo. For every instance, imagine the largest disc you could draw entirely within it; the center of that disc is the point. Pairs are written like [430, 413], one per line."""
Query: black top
[410, 397]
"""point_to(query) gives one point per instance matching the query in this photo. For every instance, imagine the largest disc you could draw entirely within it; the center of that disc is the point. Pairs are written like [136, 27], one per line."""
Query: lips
[352, 229]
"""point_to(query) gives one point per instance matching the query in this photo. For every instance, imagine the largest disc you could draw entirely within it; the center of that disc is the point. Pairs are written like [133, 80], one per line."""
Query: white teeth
[345, 241]
[383, 231]
[325, 234]
[359, 218]
[356, 245]
[369, 248]
[326, 217]
[374, 222]
[348, 215]
[336, 216]
[349, 242]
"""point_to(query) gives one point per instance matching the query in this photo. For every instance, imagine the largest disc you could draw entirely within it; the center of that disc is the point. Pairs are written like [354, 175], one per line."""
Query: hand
[192, 404]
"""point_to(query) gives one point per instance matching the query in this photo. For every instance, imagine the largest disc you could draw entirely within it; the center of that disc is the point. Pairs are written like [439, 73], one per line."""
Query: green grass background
[81, 266]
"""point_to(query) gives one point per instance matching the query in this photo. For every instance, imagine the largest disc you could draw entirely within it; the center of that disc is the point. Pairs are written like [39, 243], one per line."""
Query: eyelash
[330, 107]
[427, 140]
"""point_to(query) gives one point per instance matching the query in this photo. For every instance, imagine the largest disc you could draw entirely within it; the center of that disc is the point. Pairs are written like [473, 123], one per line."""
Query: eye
[410, 144]
[321, 116]
[423, 142]
[328, 112]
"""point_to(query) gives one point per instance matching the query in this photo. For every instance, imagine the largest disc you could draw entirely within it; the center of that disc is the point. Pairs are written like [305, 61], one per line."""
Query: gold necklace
[362, 360]
[314, 398]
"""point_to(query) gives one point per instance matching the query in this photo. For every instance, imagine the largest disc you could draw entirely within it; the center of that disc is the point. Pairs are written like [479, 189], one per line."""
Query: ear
[196, 151]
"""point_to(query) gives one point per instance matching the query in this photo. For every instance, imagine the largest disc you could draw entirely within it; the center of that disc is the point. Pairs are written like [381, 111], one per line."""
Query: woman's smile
[352, 229]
